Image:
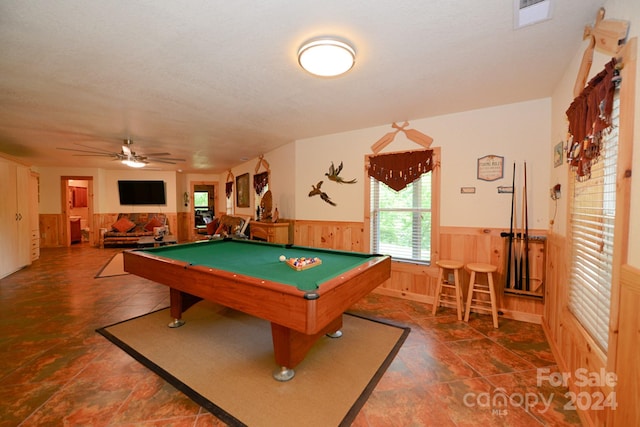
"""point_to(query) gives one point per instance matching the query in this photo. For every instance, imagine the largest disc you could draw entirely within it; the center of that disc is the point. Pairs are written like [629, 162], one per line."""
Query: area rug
[115, 267]
[223, 360]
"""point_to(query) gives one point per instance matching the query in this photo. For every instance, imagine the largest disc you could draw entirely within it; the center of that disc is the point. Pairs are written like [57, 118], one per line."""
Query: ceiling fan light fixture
[326, 57]
[133, 163]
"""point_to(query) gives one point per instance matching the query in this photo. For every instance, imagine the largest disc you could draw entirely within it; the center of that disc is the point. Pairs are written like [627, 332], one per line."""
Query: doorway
[205, 202]
[77, 210]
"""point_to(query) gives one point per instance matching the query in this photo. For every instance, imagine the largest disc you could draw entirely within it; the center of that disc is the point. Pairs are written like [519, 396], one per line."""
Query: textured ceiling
[214, 82]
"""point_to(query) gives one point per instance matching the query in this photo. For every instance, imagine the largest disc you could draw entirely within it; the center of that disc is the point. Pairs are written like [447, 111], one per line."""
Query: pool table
[246, 275]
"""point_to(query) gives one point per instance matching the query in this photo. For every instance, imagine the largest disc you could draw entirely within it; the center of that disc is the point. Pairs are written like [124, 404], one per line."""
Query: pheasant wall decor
[334, 175]
[317, 191]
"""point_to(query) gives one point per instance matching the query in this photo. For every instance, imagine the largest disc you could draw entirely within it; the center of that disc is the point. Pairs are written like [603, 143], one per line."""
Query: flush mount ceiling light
[326, 57]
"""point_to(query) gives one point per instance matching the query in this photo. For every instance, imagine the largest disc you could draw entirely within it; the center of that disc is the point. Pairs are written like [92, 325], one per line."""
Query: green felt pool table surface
[261, 260]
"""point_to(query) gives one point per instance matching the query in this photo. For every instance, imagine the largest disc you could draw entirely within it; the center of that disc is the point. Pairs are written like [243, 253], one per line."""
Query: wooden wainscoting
[339, 235]
[184, 230]
[575, 350]
[51, 230]
[627, 366]
[418, 282]
[470, 244]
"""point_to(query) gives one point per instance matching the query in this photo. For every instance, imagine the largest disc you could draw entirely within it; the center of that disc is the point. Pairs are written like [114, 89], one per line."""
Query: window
[201, 200]
[593, 210]
[402, 222]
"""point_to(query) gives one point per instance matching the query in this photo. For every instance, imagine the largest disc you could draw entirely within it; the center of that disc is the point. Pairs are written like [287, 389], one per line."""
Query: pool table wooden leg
[290, 347]
[180, 302]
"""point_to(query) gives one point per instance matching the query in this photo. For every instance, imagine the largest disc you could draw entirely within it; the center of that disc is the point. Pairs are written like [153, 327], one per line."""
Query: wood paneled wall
[575, 350]
[51, 230]
[417, 281]
[628, 360]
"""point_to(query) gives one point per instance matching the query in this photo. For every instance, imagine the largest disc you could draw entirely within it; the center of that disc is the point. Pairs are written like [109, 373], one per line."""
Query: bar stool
[480, 304]
[443, 282]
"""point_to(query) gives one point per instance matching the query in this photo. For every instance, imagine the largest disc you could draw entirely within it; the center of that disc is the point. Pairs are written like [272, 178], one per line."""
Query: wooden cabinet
[34, 217]
[272, 232]
[76, 230]
[15, 225]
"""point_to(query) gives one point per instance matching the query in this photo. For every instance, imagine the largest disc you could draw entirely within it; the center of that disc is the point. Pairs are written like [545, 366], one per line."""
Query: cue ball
[283, 258]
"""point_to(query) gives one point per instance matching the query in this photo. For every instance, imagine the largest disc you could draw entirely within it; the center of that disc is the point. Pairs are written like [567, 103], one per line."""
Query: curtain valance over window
[397, 170]
[228, 188]
[589, 117]
[260, 181]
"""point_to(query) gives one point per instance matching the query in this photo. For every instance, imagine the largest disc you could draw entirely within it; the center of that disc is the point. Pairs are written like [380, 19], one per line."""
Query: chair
[474, 287]
[446, 266]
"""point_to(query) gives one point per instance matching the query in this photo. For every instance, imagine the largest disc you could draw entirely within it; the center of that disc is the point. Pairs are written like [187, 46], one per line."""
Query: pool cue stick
[510, 245]
[521, 250]
[526, 231]
[516, 255]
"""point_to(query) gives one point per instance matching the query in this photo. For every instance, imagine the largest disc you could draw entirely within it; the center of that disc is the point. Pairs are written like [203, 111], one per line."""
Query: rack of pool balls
[301, 263]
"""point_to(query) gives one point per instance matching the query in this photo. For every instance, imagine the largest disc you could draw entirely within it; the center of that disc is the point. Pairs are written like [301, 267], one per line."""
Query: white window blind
[401, 220]
[592, 222]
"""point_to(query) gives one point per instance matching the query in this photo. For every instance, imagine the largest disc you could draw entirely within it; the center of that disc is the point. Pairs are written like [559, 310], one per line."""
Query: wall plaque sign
[490, 168]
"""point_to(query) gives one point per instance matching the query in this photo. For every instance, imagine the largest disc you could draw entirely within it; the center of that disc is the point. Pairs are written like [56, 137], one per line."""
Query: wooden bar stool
[477, 303]
[443, 282]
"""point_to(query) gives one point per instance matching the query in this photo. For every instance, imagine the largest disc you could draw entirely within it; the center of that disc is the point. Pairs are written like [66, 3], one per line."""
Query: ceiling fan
[126, 155]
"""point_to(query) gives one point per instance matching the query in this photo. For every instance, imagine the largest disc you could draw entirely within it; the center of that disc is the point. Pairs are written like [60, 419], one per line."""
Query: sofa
[129, 227]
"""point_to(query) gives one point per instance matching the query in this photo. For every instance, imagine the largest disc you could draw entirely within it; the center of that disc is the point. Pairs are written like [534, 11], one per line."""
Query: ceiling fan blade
[101, 153]
[93, 148]
[167, 161]
[95, 155]
[157, 154]
[155, 159]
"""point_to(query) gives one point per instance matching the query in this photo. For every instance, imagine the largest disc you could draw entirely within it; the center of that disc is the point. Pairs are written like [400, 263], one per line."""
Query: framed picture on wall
[557, 154]
[242, 191]
[490, 168]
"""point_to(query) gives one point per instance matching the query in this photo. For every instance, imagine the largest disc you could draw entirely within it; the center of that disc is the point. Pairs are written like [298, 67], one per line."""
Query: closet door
[15, 235]
[8, 211]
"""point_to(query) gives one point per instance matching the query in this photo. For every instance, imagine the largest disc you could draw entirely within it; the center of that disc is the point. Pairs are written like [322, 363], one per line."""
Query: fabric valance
[260, 181]
[589, 118]
[228, 188]
[397, 170]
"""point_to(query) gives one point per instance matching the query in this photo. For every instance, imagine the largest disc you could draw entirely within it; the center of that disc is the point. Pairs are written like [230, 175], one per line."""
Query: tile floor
[56, 370]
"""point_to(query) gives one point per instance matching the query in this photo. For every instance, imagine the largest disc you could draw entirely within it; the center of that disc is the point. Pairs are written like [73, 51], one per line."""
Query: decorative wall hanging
[260, 181]
[412, 134]
[317, 191]
[228, 187]
[589, 118]
[606, 36]
[397, 170]
[590, 112]
[242, 191]
[262, 163]
[490, 168]
[334, 175]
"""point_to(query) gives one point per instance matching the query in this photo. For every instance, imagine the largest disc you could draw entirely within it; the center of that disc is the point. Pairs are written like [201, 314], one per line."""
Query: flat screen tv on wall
[142, 193]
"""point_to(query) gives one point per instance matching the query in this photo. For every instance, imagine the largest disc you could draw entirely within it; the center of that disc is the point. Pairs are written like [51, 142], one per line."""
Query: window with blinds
[401, 220]
[592, 221]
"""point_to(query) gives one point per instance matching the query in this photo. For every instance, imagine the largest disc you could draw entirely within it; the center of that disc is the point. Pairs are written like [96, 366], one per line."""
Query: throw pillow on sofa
[155, 222]
[123, 225]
